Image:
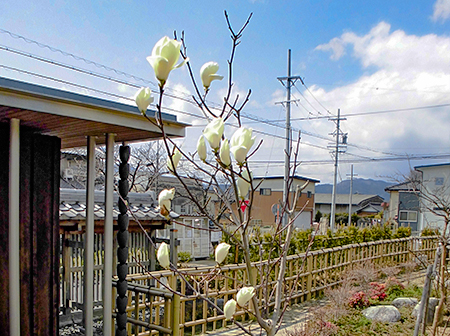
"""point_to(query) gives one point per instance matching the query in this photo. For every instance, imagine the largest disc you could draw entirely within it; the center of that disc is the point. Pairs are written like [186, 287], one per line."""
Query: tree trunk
[442, 291]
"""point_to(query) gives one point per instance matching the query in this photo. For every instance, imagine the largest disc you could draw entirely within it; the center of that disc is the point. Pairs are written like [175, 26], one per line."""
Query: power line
[132, 100]
[90, 73]
[309, 162]
[64, 53]
[373, 112]
[307, 89]
[120, 81]
[370, 160]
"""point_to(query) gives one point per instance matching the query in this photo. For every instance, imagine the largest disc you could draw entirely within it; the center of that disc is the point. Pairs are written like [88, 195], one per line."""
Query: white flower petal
[163, 255]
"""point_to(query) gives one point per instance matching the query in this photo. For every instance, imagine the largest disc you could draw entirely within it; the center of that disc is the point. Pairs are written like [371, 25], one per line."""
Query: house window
[265, 191]
[408, 216]
[309, 194]
[439, 181]
[183, 209]
[256, 221]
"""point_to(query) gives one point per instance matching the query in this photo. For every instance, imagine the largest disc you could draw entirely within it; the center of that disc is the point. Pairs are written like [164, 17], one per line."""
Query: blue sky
[353, 55]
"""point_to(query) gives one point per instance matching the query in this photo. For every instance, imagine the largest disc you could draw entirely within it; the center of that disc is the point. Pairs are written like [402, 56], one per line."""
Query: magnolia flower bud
[165, 55]
[201, 148]
[224, 153]
[163, 255]
[241, 142]
[164, 200]
[143, 99]
[175, 158]
[244, 295]
[221, 252]
[208, 73]
[229, 309]
[242, 185]
[213, 132]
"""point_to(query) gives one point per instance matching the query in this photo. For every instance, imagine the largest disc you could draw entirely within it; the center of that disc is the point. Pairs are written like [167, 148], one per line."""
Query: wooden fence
[71, 270]
[306, 277]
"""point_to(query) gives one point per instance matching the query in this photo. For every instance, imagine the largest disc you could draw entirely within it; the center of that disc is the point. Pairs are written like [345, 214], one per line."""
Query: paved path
[295, 317]
[298, 314]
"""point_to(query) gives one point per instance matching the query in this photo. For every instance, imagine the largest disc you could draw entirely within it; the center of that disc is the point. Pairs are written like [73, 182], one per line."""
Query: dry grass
[362, 275]
[338, 298]
[390, 271]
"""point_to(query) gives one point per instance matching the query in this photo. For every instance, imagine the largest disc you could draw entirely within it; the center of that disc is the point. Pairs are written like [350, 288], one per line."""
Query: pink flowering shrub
[359, 300]
[377, 291]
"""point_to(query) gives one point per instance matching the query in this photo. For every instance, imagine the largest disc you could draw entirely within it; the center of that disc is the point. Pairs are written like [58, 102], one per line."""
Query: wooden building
[36, 122]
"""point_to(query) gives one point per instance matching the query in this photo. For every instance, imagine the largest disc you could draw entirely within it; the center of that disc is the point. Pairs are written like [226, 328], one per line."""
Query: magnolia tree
[230, 162]
[435, 202]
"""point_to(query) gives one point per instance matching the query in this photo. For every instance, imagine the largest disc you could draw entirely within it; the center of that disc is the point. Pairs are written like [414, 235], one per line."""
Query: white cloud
[441, 10]
[336, 45]
[407, 71]
[393, 50]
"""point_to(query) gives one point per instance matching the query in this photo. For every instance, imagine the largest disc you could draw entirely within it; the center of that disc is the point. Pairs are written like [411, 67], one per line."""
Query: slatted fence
[306, 276]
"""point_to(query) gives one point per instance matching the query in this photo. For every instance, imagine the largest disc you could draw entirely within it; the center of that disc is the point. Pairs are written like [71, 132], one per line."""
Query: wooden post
[175, 311]
[108, 237]
[167, 309]
[88, 258]
[66, 255]
[14, 228]
[424, 301]
[309, 278]
[122, 240]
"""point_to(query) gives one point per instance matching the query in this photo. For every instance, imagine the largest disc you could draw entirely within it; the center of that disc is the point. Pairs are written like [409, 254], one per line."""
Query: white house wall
[436, 181]
[194, 241]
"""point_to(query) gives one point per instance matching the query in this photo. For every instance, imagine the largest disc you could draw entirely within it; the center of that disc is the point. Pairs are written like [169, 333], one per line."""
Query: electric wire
[119, 81]
[248, 116]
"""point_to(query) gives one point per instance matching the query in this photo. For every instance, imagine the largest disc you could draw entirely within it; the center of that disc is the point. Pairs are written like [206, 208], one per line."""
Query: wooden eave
[72, 117]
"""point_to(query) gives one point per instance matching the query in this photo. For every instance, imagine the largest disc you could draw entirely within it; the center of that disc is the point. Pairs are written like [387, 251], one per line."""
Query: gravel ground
[77, 330]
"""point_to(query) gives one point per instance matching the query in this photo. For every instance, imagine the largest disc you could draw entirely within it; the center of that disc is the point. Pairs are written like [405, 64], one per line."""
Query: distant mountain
[360, 186]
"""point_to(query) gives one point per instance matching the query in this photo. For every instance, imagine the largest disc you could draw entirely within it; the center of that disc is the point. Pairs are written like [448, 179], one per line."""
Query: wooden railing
[71, 270]
[306, 276]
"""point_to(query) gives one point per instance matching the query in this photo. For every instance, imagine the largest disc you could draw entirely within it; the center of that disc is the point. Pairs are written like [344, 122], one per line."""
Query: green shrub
[184, 256]
[429, 232]
[402, 232]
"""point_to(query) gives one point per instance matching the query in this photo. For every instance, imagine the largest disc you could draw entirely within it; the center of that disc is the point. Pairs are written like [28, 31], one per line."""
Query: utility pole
[290, 80]
[350, 201]
[340, 147]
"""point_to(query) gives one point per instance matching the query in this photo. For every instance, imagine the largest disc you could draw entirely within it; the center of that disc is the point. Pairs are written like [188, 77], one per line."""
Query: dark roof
[70, 184]
[433, 165]
[55, 94]
[298, 177]
[373, 208]
[404, 186]
[72, 117]
[73, 206]
[342, 199]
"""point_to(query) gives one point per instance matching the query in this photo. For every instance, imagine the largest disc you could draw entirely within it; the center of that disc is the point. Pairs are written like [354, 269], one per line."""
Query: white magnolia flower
[163, 255]
[201, 148]
[224, 153]
[229, 309]
[175, 158]
[165, 55]
[143, 99]
[241, 142]
[242, 184]
[244, 295]
[165, 200]
[208, 73]
[221, 252]
[213, 132]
